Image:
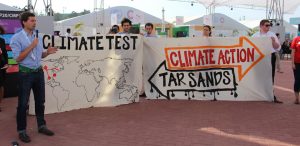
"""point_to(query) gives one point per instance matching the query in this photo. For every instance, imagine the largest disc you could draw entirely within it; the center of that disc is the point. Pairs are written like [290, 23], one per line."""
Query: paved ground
[170, 123]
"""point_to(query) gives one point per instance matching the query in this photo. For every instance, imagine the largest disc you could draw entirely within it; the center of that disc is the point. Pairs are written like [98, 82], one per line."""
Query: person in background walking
[296, 66]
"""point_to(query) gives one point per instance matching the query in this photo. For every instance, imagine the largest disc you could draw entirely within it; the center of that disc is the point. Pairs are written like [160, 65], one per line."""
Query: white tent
[111, 16]
[289, 5]
[222, 25]
[291, 29]
[4, 7]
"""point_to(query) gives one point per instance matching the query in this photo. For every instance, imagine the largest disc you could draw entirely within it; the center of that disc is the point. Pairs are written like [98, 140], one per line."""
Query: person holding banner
[3, 64]
[296, 66]
[265, 32]
[149, 29]
[126, 25]
[206, 31]
[28, 51]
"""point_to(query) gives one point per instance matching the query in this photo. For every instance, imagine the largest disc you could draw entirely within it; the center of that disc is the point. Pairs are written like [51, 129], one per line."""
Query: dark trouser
[297, 78]
[36, 82]
[2, 77]
[273, 61]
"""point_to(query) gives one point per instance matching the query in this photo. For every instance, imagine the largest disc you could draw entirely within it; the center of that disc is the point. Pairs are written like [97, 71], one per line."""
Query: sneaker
[24, 137]
[276, 100]
[143, 95]
[44, 130]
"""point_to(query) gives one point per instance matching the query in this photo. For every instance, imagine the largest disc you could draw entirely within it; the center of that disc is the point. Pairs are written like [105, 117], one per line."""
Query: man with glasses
[265, 32]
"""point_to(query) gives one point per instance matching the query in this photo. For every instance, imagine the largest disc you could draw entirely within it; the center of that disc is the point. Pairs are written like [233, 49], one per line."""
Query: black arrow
[213, 91]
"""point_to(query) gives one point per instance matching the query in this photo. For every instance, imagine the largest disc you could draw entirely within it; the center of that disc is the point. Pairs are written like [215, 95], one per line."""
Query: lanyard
[32, 53]
[24, 33]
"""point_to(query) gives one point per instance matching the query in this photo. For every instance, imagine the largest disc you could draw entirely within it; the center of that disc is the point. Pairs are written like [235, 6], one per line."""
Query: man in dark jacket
[3, 64]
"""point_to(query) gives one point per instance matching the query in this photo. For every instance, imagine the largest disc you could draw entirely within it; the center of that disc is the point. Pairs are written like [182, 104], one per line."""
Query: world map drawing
[91, 76]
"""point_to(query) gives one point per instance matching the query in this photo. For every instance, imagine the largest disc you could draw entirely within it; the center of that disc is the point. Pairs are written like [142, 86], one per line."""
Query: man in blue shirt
[28, 51]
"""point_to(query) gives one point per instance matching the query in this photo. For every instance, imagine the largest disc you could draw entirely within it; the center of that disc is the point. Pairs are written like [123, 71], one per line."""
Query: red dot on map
[49, 78]
[45, 67]
[54, 75]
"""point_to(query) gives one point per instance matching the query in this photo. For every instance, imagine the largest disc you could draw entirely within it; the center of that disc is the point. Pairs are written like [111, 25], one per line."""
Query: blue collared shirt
[19, 42]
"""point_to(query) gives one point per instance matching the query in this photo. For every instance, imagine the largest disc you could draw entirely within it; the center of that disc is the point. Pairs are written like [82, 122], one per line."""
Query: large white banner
[237, 69]
[93, 71]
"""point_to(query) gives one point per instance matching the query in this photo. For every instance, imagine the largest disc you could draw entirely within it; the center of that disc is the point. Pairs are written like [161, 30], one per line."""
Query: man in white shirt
[265, 32]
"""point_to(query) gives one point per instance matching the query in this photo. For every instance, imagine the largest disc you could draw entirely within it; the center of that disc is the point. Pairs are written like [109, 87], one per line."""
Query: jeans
[297, 77]
[36, 82]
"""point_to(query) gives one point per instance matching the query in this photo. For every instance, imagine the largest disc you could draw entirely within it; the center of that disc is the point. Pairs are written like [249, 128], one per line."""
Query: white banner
[92, 71]
[237, 69]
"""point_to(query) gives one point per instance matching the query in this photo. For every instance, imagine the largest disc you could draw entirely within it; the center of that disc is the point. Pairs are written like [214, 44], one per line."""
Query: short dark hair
[262, 22]
[114, 29]
[68, 30]
[25, 16]
[116, 26]
[149, 24]
[209, 28]
[125, 20]
[2, 31]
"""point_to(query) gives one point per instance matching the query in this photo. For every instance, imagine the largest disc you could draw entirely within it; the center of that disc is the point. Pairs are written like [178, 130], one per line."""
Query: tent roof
[120, 11]
[4, 7]
[227, 23]
[289, 5]
[255, 24]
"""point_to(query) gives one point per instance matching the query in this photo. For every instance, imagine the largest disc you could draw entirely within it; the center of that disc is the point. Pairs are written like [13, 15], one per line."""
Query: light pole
[163, 27]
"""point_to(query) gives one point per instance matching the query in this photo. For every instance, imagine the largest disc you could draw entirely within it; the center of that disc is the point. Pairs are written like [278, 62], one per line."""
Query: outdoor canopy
[289, 5]
[4, 7]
